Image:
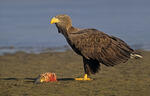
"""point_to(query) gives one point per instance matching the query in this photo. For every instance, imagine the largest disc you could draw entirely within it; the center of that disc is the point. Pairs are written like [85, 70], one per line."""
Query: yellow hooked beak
[54, 20]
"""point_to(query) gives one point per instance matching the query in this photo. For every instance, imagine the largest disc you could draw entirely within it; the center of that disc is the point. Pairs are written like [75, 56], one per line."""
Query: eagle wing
[96, 45]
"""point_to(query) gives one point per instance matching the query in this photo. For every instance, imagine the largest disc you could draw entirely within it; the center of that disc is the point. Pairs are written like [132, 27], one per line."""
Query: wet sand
[18, 71]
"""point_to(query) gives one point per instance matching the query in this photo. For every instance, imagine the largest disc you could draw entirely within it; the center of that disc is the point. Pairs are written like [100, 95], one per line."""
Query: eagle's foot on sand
[84, 79]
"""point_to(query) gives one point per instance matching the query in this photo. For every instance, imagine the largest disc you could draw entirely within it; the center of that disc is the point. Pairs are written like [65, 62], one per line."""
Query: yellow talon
[84, 79]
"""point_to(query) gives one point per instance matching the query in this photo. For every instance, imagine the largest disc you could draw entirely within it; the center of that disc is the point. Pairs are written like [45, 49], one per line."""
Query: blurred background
[24, 24]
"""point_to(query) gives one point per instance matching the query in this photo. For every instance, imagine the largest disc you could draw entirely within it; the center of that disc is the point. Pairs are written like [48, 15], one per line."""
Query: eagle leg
[84, 79]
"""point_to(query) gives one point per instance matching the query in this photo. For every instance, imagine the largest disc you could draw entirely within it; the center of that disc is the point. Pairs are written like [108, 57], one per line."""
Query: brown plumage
[94, 46]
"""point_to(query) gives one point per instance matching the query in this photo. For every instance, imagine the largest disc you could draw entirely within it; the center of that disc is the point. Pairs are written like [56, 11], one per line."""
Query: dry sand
[18, 71]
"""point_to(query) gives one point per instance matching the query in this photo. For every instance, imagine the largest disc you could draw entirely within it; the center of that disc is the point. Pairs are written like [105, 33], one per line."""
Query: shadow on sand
[34, 80]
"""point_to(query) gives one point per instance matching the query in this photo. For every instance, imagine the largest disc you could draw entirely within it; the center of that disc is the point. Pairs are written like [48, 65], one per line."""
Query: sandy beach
[18, 72]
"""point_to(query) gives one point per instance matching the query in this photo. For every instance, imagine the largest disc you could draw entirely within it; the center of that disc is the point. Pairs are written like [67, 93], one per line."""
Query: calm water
[25, 23]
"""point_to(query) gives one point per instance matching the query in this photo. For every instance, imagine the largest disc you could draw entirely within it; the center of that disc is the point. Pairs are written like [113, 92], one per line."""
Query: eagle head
[62, 21]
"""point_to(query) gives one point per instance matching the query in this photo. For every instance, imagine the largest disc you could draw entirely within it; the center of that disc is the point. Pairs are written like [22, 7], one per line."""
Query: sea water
[25, 23]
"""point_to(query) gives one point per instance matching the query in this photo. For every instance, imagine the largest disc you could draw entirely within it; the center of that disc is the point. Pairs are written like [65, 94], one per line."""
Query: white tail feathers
[135, 56]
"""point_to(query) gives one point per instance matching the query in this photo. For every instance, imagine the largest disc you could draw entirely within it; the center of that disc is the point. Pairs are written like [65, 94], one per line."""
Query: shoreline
[38, 50]
[34, 50]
